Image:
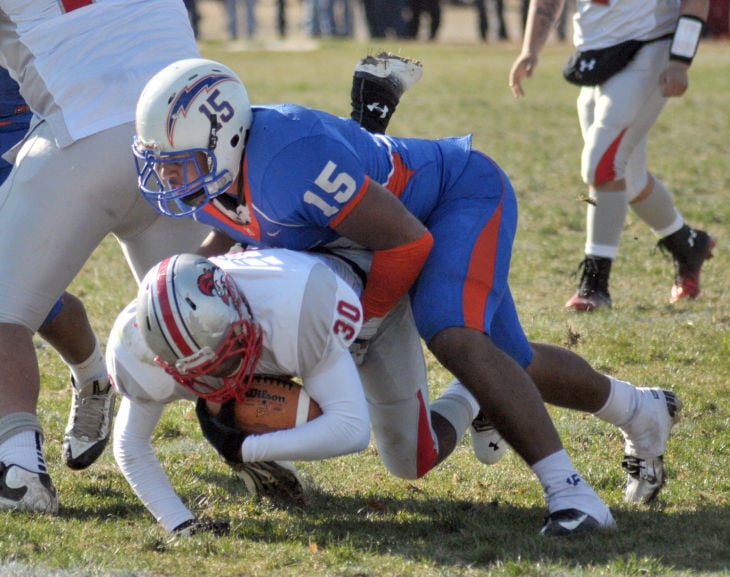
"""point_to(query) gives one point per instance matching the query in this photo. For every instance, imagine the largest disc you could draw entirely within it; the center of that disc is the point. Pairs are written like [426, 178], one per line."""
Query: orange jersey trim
[252, 229]
[401, 175]
[396, 184]
[350, 206]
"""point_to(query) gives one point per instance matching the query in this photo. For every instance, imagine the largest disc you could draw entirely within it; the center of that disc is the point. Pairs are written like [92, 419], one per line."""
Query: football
[272, 403]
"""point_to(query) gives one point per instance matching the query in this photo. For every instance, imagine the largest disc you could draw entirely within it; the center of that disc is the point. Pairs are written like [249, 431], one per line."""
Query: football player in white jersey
[272, 312]
[81, 66]
[66, 327]
[616, 115]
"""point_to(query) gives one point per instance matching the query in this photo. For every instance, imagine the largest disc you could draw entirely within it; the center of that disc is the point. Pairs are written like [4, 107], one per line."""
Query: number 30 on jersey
[348, 318]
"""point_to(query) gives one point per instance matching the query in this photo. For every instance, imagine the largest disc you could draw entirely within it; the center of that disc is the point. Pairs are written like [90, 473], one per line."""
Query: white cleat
[24, 490]
[395, 73]
[488, 445]
[89, 424]
[645, 442]
[276, 480]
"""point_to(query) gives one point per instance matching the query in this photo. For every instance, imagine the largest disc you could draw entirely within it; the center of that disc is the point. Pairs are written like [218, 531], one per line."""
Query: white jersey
[299, 303]
[598, 24]
[109, 76]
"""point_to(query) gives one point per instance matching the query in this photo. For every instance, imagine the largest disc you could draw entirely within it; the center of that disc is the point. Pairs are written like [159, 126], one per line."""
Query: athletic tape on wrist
[686, 39]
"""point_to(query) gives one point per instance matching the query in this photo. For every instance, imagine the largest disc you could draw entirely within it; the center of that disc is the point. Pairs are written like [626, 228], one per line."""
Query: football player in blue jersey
[439, 218]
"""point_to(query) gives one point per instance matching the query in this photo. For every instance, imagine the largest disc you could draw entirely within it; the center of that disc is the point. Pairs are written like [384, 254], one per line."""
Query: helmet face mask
[194, 112]
[236, 356]
[199, 324]
[199, 180]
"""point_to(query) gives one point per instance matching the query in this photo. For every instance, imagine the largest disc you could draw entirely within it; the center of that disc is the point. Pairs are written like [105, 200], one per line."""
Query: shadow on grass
[456, 532]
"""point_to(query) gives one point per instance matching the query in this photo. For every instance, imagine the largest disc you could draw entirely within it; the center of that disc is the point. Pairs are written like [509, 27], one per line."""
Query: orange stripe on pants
[480, 277]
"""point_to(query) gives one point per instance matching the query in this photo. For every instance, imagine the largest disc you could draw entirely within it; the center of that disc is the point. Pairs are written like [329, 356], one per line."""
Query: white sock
[24, 449]
[621, 404]
[604, 223]
[90, 370]
[457, 406]
[565, 488]
[658, 210]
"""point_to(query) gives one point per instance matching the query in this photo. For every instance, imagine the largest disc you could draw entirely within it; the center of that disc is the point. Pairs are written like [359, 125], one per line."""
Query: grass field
[463, 519]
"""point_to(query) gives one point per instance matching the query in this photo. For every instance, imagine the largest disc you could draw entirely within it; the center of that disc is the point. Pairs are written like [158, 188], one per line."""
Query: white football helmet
[198, 322]
[193, 114]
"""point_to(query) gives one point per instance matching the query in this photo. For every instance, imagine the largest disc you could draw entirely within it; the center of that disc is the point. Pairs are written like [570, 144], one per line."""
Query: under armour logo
[574, 479]
[244, 215]
[494, 446]
[375, 107]
[587, 64]
[692, 237]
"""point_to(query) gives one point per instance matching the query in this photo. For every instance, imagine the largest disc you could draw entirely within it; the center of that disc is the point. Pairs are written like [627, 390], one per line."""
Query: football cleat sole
[275, 480]
[568, 522]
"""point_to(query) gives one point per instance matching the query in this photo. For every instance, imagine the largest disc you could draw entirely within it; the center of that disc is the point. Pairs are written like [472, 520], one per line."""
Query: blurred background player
[615, 119]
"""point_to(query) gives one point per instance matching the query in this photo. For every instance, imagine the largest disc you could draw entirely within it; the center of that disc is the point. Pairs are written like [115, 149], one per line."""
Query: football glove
[359, 347]
[221, 430]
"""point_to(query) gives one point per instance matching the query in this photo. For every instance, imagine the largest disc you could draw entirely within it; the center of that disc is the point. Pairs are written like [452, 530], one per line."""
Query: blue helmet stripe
[182, 102]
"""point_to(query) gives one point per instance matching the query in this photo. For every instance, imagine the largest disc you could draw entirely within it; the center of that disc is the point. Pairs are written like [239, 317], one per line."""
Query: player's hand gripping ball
[272, 403]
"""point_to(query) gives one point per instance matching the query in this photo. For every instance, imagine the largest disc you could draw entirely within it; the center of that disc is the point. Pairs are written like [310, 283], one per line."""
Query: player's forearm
[697, 8]
[392, 274]
[136, 459]
[343, 427]
[145, 475]
[686, 40]
[542, 16]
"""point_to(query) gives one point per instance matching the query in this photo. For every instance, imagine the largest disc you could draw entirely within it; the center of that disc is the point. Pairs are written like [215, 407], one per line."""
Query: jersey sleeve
[145, 390]
[315, 179]
[331, 318]
[133, 427]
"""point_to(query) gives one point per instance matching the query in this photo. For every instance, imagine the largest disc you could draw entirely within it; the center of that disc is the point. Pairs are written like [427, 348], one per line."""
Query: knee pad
[406, 442]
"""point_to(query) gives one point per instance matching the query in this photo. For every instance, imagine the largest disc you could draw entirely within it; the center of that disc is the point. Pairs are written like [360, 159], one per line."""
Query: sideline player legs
[615, 118]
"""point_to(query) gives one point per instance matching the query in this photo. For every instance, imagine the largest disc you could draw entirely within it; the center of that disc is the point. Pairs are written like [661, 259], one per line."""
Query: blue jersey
[14, 118]
[304, 170]
[11, 102]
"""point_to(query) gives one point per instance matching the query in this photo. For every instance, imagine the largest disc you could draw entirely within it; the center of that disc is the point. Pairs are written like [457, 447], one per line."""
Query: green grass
[463, 519]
